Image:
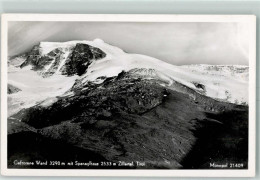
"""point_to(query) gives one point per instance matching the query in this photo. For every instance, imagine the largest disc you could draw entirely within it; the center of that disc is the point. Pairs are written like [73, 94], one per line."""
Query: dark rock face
[39, 62]
[17, 60]
[32, 57]
[77, 62]
[199, 86]
[128, 118]
[56, 55]
[12, 89]
[82, 56]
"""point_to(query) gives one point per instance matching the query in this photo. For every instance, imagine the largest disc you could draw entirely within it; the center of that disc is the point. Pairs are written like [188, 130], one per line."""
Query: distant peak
[97, 40]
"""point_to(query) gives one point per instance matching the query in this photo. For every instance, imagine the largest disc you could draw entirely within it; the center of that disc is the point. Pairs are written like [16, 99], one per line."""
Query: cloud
[176, 43]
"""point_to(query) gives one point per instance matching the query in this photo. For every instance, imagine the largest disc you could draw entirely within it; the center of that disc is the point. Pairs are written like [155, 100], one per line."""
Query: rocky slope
[67, 60]
[123, 107]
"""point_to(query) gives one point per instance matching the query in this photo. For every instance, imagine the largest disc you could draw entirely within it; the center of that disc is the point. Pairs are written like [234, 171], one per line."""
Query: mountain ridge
[56, 58]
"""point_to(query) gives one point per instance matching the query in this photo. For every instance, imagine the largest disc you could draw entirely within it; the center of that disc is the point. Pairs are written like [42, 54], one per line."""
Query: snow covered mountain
[117, 106]
[60, 65]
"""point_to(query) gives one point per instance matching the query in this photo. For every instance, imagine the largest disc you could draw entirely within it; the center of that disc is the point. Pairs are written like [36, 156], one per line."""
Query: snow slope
[34, 88]
[225, 83]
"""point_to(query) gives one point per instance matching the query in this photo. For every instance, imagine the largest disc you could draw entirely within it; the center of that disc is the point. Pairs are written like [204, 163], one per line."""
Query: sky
[176, 43]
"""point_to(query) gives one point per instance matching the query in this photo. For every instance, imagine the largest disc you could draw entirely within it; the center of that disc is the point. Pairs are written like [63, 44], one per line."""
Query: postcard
[128, 95]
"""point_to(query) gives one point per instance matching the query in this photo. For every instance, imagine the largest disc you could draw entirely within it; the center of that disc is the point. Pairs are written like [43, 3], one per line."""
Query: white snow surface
[226, 83]
[34, 88]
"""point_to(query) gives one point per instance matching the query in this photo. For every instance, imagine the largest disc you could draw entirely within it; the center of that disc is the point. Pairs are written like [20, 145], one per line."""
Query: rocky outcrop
[18, 60]
[34, 58]
[12, 89]
[76, 62]
[82, 56]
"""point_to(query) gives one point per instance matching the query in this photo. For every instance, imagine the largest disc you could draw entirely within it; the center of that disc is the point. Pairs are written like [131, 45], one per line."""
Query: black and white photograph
[146, 93]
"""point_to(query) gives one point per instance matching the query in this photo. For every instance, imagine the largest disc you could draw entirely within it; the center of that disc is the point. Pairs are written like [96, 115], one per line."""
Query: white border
[250, 19]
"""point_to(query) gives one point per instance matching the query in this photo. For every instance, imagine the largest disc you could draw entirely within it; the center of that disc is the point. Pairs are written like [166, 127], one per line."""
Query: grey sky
[176, 43]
